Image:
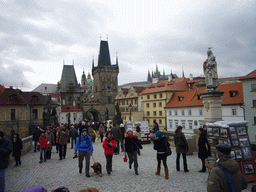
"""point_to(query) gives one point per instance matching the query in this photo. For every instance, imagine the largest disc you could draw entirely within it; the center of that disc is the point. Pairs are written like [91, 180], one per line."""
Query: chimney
[169, 77]
[190, 76]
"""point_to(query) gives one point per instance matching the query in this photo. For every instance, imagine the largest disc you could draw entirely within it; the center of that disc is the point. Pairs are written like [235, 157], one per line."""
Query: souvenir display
[244, 141]
[216, 132]
[241, 131]
[238, 153]
[233, 155]
[233, 136]
[248, 168]
[209, 131]
[235, 143]
[247, 152]
[223, 133]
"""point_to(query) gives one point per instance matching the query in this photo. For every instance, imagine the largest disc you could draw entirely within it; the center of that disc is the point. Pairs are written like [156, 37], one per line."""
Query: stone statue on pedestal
[210, 71]
[118, 116]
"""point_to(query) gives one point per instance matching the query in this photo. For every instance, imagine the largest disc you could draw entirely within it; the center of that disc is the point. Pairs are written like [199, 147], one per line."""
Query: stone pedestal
[212, 105]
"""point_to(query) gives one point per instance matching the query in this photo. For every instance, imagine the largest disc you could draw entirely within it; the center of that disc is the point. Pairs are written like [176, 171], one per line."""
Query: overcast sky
[35, 36]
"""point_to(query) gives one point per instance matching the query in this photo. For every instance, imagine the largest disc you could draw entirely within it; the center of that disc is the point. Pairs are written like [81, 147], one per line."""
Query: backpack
[87, 139]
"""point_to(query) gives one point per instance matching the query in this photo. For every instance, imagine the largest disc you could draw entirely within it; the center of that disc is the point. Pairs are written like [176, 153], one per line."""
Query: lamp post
[130, 108]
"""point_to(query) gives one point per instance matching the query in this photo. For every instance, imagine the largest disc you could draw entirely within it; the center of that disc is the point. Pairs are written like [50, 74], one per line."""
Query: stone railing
[27, 147]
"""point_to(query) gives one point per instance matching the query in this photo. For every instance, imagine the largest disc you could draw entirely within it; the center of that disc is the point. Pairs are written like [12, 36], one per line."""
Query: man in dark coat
[36, 136]
[156, 127]
[17, 148]
[217, 180]
[203, 148]
[115, 131]
[5, 151]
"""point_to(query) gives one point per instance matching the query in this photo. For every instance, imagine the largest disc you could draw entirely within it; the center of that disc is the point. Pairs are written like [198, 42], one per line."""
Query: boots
[166, 171]
[158, 171]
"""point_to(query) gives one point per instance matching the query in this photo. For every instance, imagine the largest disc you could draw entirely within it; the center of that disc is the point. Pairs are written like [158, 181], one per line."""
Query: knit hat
[224, 148]
[129, 129]
[2, 134]
[159, 134]
[84, 130]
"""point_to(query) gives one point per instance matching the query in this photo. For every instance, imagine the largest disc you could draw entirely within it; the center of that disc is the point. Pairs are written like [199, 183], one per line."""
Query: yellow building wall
[153, 106]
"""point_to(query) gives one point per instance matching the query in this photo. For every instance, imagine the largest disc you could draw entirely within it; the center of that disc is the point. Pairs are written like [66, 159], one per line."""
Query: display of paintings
[212, 141]
[235, 143]
[213, 149]
[223, 132]
[227, 142]
[244, 141]
[247, 152]
[248, 168]
[238, 153]
[216, 132]
[241, 131]
[221, 141]
[209, 131]
[232, 129]
[233, 136]
[233, 155]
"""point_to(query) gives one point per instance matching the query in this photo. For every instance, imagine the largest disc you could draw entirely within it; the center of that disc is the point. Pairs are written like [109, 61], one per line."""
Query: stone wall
[27, 147]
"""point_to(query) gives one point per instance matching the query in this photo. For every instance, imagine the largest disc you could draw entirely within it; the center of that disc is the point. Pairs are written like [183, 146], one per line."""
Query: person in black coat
[161, 144]
[17, 148]
[203, 148]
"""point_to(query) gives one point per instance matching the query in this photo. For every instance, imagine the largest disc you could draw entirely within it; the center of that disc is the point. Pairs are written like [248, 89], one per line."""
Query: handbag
[125, 157]
[168, 151]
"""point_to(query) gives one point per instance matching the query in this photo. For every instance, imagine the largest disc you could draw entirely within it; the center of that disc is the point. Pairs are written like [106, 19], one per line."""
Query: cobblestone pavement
[55, 173]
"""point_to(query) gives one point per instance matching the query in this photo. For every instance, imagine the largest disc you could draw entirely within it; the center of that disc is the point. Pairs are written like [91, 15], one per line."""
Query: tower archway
[92, 115]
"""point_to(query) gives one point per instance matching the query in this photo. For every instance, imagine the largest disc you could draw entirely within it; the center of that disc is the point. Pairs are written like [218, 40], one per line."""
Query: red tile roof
[69, 108]
[177, 84]
[137, 89]
[190, 98]
[251, 75]
[2, 88]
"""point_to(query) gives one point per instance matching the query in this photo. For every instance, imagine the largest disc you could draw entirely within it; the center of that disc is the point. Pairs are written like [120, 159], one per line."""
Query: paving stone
[55, 173]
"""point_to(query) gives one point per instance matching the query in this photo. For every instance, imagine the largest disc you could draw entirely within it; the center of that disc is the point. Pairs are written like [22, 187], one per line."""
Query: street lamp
[130, 108]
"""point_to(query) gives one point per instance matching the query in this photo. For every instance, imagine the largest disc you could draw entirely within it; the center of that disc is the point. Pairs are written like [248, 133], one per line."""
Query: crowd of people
[83, 135]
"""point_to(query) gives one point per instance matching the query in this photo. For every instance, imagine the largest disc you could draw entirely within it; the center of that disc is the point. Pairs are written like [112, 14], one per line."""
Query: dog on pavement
[97, 168]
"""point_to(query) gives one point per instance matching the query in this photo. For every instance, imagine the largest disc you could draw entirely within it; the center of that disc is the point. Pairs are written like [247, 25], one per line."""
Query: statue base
[212, 105]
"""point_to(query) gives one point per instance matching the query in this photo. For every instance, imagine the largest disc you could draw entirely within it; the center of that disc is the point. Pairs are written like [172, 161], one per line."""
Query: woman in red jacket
[108, 145]
[42, 144]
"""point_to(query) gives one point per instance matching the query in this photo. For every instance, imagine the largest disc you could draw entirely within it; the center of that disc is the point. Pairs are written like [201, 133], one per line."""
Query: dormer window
[13, 98]
[34, 98]
[233, 93]
[198, 97]
[180, 98]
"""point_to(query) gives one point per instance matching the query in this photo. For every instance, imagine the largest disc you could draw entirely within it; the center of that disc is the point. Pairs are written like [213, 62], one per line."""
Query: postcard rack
[234, 134]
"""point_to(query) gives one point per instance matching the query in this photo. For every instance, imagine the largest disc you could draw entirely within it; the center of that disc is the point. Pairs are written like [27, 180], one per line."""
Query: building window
[154, 113]
[109, 99]
[126, 102]
[154, 96]
[12, 114]
[200, 112]
[170, 113]
[170, 124]
[160, 104]
[148, 114]
[160, 95]
[254, 120]
[183, 124]
[254, 103]
[148, 96]
[147, 105]
[200, 123]
[123, 102]
[182, 112]
[253, 87]
[69, 99]
[176, 112]
[35, 114]
[132, 101]
[160, 121]
[148, 121]
[78, 105]
[78, 98]
[135, 101]
[176, 123]
[234, 112]
[189, 112]
[154, 104]
[160, 113]
[190, 124]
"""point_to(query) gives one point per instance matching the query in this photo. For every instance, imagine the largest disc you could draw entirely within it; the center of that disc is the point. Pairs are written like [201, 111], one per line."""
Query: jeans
[2, 180]
[184, 162]
[162, 157]
[72, 142]
[81, 156]
[109, 163]
[133, 158]
[62, 151]
[35, 145]
[41, 154]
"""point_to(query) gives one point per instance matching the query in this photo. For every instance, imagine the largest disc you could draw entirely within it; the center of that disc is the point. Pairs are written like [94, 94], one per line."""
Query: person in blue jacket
[5, 151]
[85, 149]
